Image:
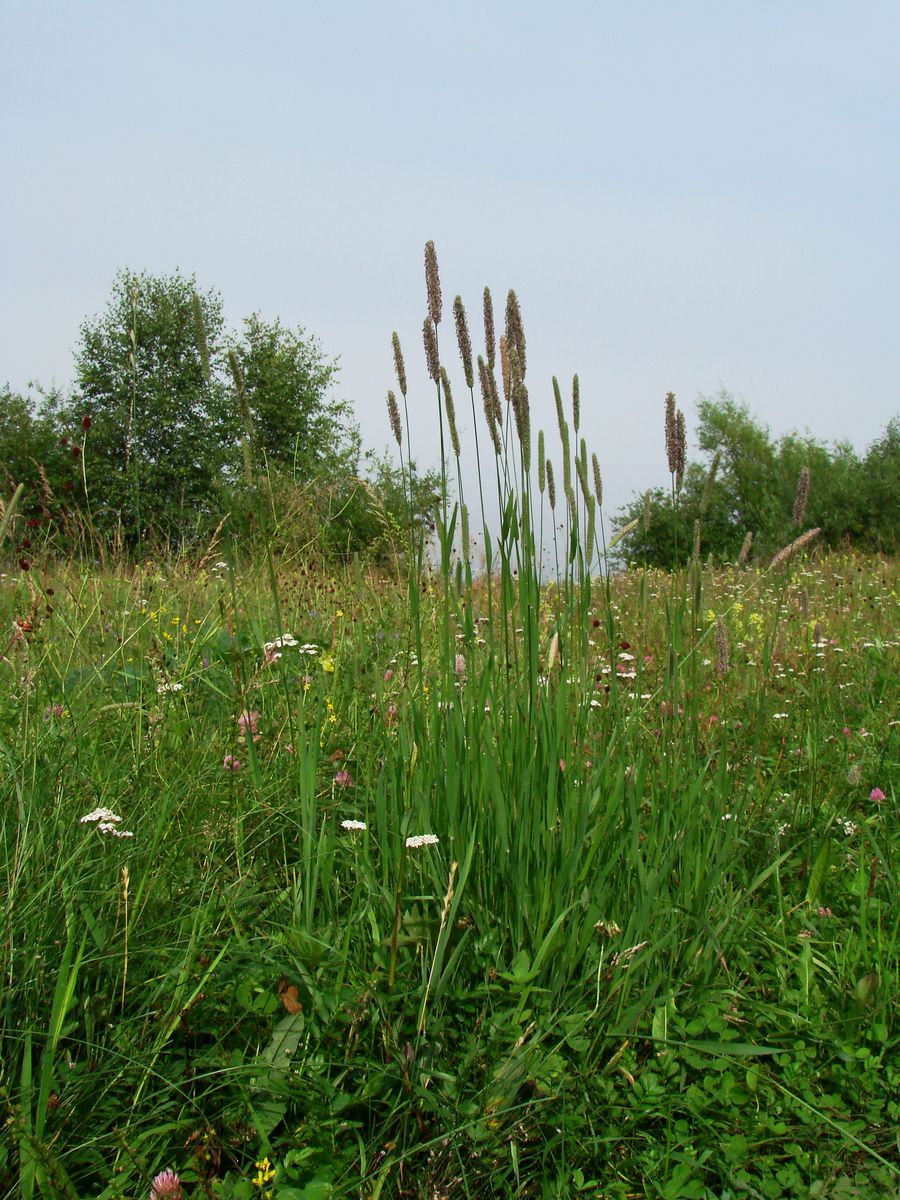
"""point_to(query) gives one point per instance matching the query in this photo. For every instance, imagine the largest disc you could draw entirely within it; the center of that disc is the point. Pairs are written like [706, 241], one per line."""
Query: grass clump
[469, 884]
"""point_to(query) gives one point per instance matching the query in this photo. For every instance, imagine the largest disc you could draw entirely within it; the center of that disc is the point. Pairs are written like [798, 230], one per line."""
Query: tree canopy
[753, 487]
[175, 421]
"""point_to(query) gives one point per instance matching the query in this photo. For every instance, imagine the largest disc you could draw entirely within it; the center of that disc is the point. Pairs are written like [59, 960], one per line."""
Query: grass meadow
[540, 882]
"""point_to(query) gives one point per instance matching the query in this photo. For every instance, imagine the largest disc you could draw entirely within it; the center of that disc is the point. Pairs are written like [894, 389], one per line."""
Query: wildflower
[279, 643]
[421, 839]
[779, 716]
[460, 665]
[354, 826]
[169, 687]
[248, 722]
[343, 778]
[99, 814]
[327, 663]
[265, 1173]
[388, 675]
[108, 827]
[849, 828]
[230, 763]
[877, 795]
[166, 1186]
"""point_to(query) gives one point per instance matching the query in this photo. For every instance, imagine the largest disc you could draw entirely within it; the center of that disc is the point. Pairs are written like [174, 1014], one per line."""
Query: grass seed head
[671, 434]
[394, 417]
[463, 340]
[399, 365]
[598, 480]
[515, 333]
[432, 359]
[800, 497]
[791, 549]
[432, 283]
[490, 340]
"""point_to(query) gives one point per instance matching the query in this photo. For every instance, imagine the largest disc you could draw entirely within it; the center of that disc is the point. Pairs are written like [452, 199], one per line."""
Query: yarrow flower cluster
[421, 839]
[106, 821]
[354, 826]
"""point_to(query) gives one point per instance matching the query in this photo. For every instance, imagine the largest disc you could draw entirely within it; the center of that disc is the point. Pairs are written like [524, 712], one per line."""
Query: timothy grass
[461, 886]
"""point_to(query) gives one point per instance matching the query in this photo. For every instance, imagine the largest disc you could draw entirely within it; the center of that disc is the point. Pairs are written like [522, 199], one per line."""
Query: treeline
[175, 421]
[748, 485]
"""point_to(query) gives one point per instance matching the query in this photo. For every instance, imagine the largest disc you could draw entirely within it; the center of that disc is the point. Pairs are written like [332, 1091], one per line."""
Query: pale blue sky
[685, 195]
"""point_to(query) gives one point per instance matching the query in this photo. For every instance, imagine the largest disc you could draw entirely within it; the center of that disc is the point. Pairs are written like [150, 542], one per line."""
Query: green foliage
[150, 377]
[850, 500]
[175, 424]
[294, 427]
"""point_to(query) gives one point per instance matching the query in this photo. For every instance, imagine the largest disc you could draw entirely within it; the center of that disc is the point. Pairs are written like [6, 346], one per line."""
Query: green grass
[644, 941]
[654, 951]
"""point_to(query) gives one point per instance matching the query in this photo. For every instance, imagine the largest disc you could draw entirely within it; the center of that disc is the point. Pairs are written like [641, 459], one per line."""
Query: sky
[686, 197]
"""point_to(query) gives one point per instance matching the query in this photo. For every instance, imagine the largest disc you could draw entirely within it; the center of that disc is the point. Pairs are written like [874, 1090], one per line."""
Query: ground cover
[327, 886]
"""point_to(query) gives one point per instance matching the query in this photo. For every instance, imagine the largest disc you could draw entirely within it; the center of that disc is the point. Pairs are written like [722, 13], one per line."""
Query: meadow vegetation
[421, 881]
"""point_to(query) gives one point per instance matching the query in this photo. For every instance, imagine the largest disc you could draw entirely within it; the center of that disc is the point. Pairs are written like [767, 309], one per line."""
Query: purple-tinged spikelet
[431, 349]
[486, 379]
[681, 442]
[515, 333]
[394, 418]
[399, 365]
[598, 480]
[800, 497]
[797, 544]
[696, 554]
[505, 372]
[522, 413]
[463, 340]
[671, 434]
[745, 548]
[451, 412]
[432, 283]
[804, 604]
[496, 406]
[490, 341]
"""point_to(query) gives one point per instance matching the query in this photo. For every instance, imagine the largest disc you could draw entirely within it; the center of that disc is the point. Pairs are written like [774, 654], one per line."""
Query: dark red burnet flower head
[85, 423]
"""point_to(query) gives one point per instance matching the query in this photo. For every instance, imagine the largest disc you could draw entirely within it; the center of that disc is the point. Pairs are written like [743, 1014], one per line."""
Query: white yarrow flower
[421, 839]
[353, 825]
[100, 814]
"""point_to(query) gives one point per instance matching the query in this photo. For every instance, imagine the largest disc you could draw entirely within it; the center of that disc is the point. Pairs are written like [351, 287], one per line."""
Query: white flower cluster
[353, 825]
[421, 839]
[106, 821]
[169, 687]
[284, 642]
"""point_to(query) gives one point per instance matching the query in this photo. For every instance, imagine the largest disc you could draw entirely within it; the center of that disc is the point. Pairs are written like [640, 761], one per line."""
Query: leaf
[289, 996]
[820, 868]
